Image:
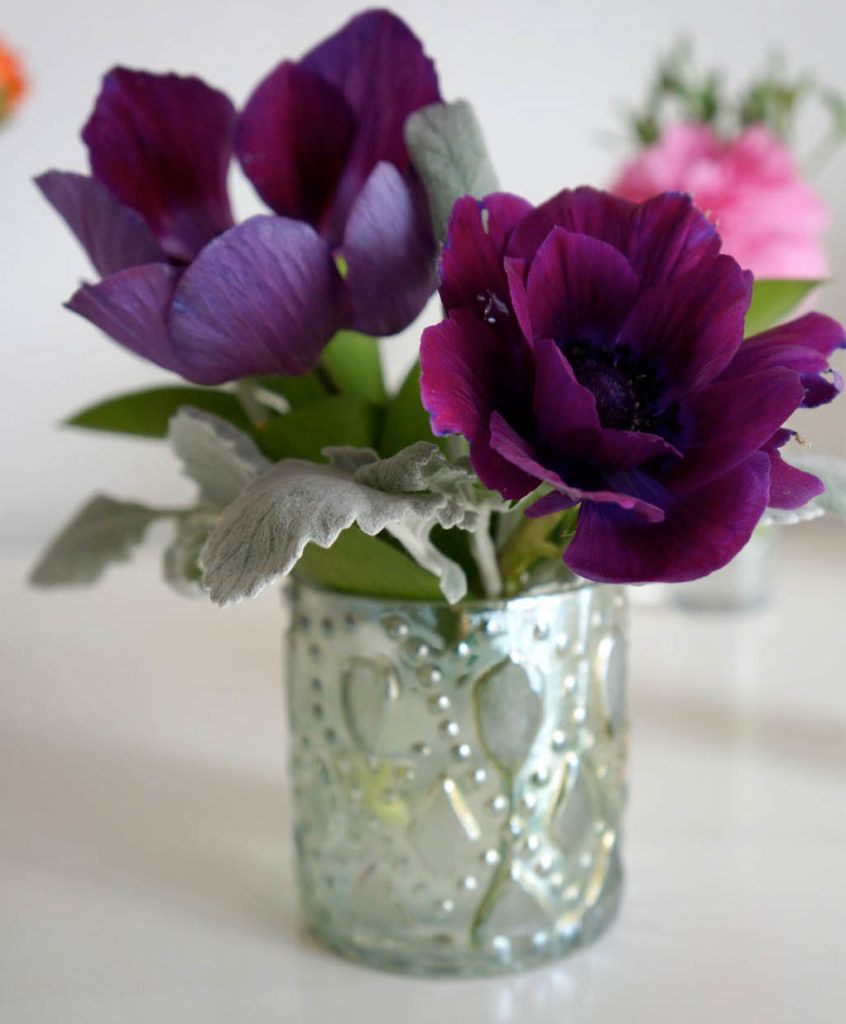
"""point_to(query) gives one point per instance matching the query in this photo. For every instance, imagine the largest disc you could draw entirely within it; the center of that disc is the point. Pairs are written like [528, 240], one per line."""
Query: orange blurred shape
[13, 82]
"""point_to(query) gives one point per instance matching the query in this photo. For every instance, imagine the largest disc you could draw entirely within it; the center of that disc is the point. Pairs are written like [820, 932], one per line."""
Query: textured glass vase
[458, 775]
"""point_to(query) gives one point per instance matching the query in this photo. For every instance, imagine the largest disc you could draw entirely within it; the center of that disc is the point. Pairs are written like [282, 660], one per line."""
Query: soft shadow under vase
[458, 775]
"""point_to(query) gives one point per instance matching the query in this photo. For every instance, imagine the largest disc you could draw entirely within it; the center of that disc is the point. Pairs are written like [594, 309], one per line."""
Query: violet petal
[379, 65]
[389, 251]
[161, 144]
[114, 236]
[803, 345]
[292, 140]
[690, 328]
[702, 531]
[265, 297]
[131, 307]
[467, 370]
[579, 289]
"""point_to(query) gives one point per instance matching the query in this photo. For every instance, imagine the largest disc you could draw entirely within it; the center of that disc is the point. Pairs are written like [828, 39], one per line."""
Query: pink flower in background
[769, 218]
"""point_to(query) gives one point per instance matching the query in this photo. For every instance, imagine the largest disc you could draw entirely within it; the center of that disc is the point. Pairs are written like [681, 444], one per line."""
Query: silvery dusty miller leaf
[262, 535]
[181, 559]
[216, 455]
[103, 531]
[449, 153]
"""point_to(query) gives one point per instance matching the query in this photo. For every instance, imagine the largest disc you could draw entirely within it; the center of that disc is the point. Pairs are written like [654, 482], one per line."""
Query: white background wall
[547, 78]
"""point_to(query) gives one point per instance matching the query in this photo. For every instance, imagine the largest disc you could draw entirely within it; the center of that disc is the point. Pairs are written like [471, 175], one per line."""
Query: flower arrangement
[605, 397]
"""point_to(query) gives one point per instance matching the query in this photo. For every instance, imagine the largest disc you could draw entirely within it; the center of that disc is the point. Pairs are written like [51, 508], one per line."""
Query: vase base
[443, 959]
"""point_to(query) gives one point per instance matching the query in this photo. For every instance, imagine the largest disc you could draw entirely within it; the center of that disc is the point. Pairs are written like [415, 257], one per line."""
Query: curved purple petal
[802, 345]
[724, 423]
[472, 271]
[662, 239]
[584, 211]
[467, 371]
[789, 487]
[161, 144]
[292, 140]
[690, 328]
[390, 254]
[265, 297]
[669, 238]
[379, 65]
[702, 531]
[515, 449]
[579, 289]
[131, 307]
[568, 423]
[113, 236]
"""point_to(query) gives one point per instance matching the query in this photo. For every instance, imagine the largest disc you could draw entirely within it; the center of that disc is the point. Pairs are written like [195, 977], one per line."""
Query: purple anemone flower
[349, 243]
[595, 347]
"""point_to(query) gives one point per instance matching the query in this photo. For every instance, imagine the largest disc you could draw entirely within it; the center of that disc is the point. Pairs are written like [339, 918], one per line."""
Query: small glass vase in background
[458, 775]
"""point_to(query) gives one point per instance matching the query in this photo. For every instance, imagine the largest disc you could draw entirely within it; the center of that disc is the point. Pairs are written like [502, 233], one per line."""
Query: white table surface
[145, 866]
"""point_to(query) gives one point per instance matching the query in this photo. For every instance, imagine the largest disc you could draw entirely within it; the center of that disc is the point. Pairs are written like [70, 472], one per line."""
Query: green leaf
[305, 431]
[147, 413]
[358, 564]
[352, 361]
[448, 151]
[406, 421]
[103, 531]
[350, 365]
[296, 391]
[773, 301]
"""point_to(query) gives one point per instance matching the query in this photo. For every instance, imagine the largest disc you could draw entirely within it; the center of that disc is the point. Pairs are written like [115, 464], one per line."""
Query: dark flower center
[628, 392]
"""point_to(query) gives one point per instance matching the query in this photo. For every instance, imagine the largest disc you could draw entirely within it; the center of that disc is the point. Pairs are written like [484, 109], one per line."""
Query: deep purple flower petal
[550, 504]
[467, 370]
[568, 423]
[265, 297]
[379, 65]
[390, 254]
[803, 345]
[583, 211]
[723, 424]
[472, 272]
[113, 236]
[662, 239]
[131, 307]
[789, 487]
[511, 446]
[690, 328]
[292, 140]
[161, 144]
[702, 531]
[669, 238]
[516, 273]
[579, 289]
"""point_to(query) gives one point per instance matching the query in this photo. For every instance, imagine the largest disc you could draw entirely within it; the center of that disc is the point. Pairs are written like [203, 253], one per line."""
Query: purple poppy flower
[596, 347]
[322, 142]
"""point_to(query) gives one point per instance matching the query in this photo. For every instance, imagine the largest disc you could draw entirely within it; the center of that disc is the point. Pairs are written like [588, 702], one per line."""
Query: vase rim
[473, 606]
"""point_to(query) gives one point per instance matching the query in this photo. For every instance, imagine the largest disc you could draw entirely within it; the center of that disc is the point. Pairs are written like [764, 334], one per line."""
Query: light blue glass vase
[458, 775]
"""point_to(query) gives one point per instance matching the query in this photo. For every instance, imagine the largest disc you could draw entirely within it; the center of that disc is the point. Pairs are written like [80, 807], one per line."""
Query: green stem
[256, 412]
[327, 381]
[484, 552]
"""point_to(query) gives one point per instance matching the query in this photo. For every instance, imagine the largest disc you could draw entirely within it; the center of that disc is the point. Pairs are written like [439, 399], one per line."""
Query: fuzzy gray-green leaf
[103, 531]
[217, 456]
[262, 535]
[448, 151]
